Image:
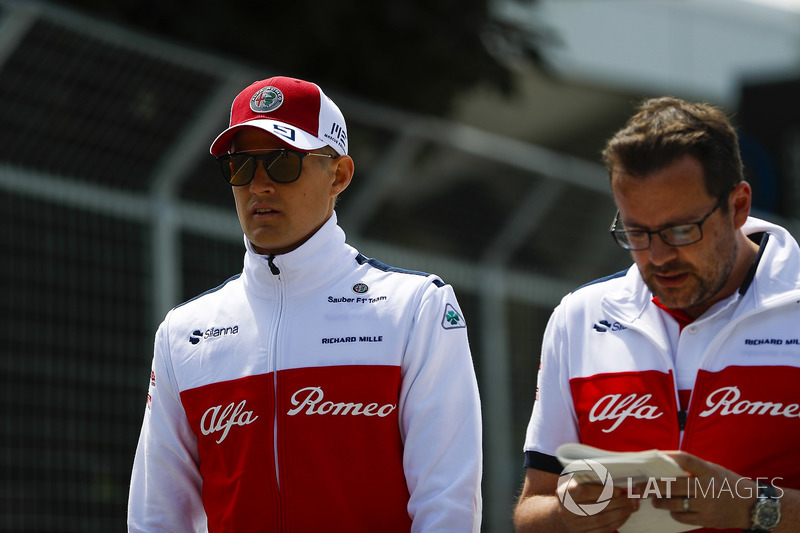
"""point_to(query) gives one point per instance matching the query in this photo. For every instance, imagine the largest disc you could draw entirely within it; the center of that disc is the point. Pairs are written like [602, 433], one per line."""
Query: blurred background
[475, 125]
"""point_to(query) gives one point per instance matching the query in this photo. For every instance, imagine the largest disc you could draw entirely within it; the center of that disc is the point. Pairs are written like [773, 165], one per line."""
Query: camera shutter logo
[601, 474]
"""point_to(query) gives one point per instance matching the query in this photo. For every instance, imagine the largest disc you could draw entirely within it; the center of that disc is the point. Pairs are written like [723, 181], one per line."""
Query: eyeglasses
[679, 235]
[282, 166]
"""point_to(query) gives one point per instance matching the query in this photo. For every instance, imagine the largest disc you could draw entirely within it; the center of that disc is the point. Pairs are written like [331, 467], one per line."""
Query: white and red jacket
[317, 391]
[608, 368]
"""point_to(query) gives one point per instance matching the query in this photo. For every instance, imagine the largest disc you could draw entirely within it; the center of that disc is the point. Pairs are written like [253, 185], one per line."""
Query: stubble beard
[701, 287]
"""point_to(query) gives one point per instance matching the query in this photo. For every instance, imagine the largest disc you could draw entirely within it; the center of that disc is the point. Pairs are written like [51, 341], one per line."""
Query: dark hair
[666, 129]
[327, 150]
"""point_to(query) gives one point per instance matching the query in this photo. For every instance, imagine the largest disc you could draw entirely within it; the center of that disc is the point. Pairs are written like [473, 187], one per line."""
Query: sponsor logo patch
[359, 300]
[727, 401]
[604, 325]
[363, 338]
[616, 408]
[452, 319]
[266, 99]
[772, 342]
[218, 419]
[212, 332]
[337, 135]
[309, 401]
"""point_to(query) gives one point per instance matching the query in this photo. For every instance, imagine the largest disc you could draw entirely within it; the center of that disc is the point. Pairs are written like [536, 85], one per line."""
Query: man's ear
[343, 169]
[742, 196]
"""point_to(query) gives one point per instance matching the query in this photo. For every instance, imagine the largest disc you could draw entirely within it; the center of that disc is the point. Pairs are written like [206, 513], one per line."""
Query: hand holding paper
[625, 470]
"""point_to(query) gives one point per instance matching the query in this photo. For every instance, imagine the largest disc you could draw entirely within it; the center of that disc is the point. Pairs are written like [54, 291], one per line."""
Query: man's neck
[746, 255]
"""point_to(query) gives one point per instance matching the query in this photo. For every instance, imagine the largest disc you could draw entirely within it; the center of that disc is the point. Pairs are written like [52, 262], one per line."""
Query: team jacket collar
[315, 263]
[777, 277]
[778, 273]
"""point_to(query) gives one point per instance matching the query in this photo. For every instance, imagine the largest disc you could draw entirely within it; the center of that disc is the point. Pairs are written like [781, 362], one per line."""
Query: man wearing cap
[318, 390]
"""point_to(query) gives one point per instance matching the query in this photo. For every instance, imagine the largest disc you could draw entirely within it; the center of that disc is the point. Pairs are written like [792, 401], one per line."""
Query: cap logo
[266, 99]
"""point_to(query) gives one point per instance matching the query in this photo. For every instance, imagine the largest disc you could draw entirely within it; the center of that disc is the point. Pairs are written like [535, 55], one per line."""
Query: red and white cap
[297, 112]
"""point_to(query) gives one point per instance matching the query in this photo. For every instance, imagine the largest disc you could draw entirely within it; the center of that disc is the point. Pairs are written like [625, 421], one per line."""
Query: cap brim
[286, 133]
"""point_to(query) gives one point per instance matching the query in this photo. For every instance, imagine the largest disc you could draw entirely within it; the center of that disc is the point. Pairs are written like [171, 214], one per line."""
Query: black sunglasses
[282, 166]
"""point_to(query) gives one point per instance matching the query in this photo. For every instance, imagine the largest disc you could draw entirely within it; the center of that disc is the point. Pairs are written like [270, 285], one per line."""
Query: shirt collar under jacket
[776, 278]
[317, 262]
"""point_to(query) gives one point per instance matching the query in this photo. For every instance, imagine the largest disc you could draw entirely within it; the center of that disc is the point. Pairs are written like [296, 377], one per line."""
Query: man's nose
[660, 252]
[261, 181]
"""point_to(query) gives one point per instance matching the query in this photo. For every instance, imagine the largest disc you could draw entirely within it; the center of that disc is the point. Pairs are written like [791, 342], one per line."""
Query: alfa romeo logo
[451, 318]
[266, 99]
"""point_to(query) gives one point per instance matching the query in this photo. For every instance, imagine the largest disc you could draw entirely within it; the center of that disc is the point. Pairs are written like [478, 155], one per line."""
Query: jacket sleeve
[552, 422]
[165, 483]
[440, 417]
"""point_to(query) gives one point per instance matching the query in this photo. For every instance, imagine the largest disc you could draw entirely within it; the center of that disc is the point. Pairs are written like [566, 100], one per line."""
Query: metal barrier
[113, 214]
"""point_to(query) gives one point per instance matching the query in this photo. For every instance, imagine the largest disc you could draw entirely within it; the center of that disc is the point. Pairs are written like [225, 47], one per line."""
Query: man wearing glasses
[318, 390]
[694, 349]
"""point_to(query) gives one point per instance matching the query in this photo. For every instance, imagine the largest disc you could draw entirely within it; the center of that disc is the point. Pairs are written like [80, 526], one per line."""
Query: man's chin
[672, 298]
[666, 301]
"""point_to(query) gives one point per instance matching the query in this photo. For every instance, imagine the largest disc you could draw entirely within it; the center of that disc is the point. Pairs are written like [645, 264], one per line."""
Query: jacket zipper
[681, 415]
[279, 312]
